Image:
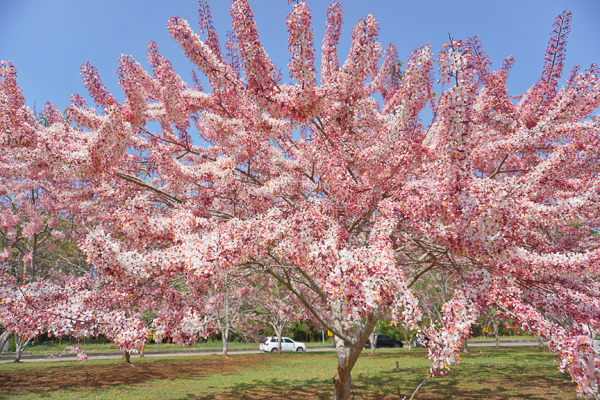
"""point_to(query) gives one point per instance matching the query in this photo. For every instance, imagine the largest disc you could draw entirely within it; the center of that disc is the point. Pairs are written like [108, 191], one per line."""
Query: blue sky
[48, 40]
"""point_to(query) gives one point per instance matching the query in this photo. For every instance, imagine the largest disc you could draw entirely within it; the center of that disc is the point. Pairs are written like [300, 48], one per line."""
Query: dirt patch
[87, 376]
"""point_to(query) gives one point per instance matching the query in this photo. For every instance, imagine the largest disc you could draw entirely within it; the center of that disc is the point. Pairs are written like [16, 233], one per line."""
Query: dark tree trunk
[343, 379]
[126, 356]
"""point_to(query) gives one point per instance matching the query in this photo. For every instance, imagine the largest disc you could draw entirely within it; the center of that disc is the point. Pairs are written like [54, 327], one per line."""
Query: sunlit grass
[485, 373]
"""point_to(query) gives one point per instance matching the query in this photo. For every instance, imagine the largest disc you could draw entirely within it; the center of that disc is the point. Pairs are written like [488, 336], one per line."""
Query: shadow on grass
[396, 385]
[495, 374]
[278, 388]
[488, 374]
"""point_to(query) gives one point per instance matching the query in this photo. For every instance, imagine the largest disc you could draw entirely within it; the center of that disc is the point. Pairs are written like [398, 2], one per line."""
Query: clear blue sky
[47, 40]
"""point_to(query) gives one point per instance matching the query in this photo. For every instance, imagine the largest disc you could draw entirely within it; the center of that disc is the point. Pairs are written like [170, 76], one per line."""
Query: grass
[485, 373]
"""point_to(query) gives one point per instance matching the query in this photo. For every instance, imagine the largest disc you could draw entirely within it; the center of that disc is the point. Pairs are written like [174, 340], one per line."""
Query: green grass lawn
[485, 373]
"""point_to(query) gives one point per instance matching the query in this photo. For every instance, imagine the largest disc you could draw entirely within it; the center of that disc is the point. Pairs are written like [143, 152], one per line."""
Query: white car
[287, 344]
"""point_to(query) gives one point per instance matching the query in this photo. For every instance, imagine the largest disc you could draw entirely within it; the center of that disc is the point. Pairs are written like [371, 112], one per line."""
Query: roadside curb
[147, 353]
[475, 342]
[68, 357]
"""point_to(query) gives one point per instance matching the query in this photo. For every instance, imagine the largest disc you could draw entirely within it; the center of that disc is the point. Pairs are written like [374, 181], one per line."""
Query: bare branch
[144, 184]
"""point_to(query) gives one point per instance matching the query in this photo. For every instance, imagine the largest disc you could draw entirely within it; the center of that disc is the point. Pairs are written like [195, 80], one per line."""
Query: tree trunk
[59, 340]
[20, 344]
[346, 361]
[142, 351]
[126, 356]
[225, 339]
[343, 379]
[465, 347]
[496, 332]
[4, 337]
[279, 339]
[409, 339]
[373, 338]
[224, 323]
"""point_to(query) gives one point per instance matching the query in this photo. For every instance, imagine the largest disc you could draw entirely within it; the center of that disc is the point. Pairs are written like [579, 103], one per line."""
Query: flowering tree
[229, 306]
[277, 307]
[38, 221]
[40, 209]
[342, 198]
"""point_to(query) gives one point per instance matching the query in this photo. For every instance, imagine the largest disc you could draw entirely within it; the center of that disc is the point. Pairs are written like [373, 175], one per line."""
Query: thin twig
[418, 387]
[499, 166]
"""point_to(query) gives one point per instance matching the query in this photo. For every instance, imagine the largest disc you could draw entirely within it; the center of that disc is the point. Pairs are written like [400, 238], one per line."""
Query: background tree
[276, 307]
[229, 305]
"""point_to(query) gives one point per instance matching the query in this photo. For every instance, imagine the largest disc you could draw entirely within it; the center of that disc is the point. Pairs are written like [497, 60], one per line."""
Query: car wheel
[274, 350]
[396, 345]
[299, 350]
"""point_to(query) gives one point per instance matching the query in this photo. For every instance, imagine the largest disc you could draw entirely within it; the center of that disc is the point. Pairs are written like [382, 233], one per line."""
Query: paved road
[218, 352]
[91, 356]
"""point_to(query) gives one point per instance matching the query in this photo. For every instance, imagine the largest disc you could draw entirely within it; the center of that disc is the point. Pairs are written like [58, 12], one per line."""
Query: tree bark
[279, 339]
[225, 343]
[126, 356]
[224, 323]
[343, 379]
[465, 347]
[346, 361]
[142, 351]
[373, 338]
[20, 344]
[4, 337]
[496, 332]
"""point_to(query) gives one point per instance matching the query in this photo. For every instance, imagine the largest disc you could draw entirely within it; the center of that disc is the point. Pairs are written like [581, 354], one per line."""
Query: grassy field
[485, 373]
